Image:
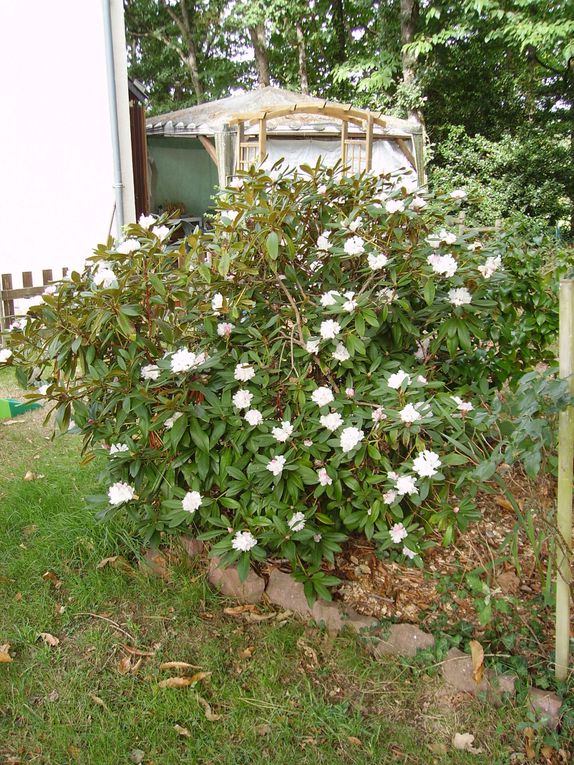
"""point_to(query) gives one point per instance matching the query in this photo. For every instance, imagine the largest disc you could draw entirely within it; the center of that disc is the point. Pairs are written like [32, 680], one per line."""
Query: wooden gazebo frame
[356, 152]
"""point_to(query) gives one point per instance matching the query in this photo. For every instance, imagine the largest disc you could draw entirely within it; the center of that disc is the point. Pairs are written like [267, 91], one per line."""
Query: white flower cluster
[322, 396]
[350, 438]
[242, 399]
[5, 354]
[191, 501]
[489, 266]
[443, 264]
[244, 372]
[121, 492]
[459, 296]
[185, 360]
[283, 433]
[243, 541]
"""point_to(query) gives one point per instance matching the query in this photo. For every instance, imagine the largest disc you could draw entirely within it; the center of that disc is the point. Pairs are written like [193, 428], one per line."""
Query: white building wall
[56, 168]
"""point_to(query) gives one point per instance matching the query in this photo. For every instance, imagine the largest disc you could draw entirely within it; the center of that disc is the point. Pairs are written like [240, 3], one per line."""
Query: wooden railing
[9, 294]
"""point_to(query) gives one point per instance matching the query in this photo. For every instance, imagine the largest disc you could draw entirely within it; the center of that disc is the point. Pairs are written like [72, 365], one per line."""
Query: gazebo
[197, 150]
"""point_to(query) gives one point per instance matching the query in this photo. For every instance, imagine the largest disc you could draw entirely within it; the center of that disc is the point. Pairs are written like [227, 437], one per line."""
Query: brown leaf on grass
[529, 749]
[31, 476]
[137, 651]
[51, 577]
[477, 653]
[100, 702]
[235, 610]
[437, 747]
[209, 715]
[502, 502]
[6, 580]
[27, 531]
[263, 730]
[354, 740]
[177, 665]
[183, 682]
[181, 731]
[48, 639]
[247, 653]
[118, 562]
[5, 657]
[18, 597]
[464, 743]
[125, 665]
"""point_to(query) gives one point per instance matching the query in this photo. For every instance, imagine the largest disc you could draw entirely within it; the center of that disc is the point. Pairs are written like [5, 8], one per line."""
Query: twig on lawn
[109, 621]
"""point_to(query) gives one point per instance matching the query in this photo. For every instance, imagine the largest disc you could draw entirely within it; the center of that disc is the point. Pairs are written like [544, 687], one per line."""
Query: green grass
[278, 707]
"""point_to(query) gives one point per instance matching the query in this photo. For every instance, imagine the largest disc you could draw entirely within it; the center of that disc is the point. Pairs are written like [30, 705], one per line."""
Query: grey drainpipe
[118, 184]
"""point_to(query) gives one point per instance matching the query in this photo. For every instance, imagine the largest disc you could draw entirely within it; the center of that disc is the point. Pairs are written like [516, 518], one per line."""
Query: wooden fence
[9, 294]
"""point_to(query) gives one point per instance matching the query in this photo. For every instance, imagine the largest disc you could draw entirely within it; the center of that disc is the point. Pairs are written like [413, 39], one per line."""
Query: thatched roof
[209, 118]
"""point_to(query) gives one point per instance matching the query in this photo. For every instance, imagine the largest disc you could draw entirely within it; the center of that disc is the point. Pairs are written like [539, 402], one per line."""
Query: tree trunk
[257, 35]
[340, 31]
[191, 63]
[303, 79]
[409, 16]
[189, 55]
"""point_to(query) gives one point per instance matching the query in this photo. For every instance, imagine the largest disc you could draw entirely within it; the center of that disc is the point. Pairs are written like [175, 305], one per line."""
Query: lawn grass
[299, 697]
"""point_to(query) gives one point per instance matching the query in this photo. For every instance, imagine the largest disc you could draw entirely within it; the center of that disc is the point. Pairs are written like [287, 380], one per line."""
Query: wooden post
[8, 304]
[564, 501]
[344, 133]
[240, 139]
[369, 143]
[262, 140]
[27, 279]
[47, 276]
[461, 219]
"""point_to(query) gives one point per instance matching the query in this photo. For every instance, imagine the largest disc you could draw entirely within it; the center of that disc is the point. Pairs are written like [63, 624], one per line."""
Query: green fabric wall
[182, 171]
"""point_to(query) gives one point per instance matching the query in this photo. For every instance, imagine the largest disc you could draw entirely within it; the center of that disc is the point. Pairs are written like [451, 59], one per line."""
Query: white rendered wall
[56, 168]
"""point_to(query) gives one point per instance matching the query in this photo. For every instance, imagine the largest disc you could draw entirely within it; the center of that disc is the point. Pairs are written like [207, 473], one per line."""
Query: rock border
[401, 639]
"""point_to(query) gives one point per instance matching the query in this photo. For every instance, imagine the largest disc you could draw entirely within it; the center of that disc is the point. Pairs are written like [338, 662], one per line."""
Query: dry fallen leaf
[183, 682]
[181, 731]
[137, 651]
[247, 653]
[437, 747]
[5, 657]
[209, 715]
[125, 665]
[6, 580]
[50, 576]
[354, 740]
[477, 653]
[48, 639]
[18, 597]
[262, 730]
[177, 665]
[529, 743]
[53, 696]
[234, 610]
[100, 702]
[30, 476]
[464, 743]
[503, 502]
[118, 562]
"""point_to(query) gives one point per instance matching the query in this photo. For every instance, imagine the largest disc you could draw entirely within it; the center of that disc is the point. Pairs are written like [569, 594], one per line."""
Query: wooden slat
[7, 302]
[262, 139]
[47, 276]
[407, 152]
[343, 112]
[209, 147]
[240, 140]
[344, 132]
[27, 279]
[21, 292]
[369, 143]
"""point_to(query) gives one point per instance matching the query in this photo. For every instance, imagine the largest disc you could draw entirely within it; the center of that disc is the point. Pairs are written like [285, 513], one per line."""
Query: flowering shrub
[307, 369]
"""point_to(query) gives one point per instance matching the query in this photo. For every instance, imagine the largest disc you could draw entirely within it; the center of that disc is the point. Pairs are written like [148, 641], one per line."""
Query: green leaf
[272, 245]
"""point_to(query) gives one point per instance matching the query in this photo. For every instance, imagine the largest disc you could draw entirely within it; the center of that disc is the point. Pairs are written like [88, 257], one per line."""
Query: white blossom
[217, 302]
[43, 390]
[378, 414]
[296, 522]
[120, 492]
[145, 221]
[331, 421]
[276, 465]
[5, 354]
[341, 353]
[329, 329]
[253, 417]
[150, 372]
[458, 194]
[459, 296]
[128, 246]
[322, 396]
[191, 501]
[323, 242]
[474, 246]
[315, 265]
[322, 189]
[243, 541]
[355, 224]
[406, 484]
[422, 379]
[317, 538]
[117, 448]
[312, 346]
[350, 437]
[170, 422]
[443, 264]
[242, 399]
[462, 406]
[183, 360]
[283, 433]
[225, 328]
[105, 277]
[324, 477]
[231, 215]
[409, 414]
[376, 262]
[350, 303]
[418, 203]
[397, 532]
[389, 497]
[329, 298]
[354, 246]
[398, 378]
[489, 266]
[387, 295]
[394, 205]
[408, 553]
[244, 372]
[350, 392]
[51, 289]
[307, 442]
[426, 464]
[162, 232]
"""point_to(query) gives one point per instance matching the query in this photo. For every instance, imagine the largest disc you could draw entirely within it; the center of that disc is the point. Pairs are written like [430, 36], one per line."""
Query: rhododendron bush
[311, 367]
